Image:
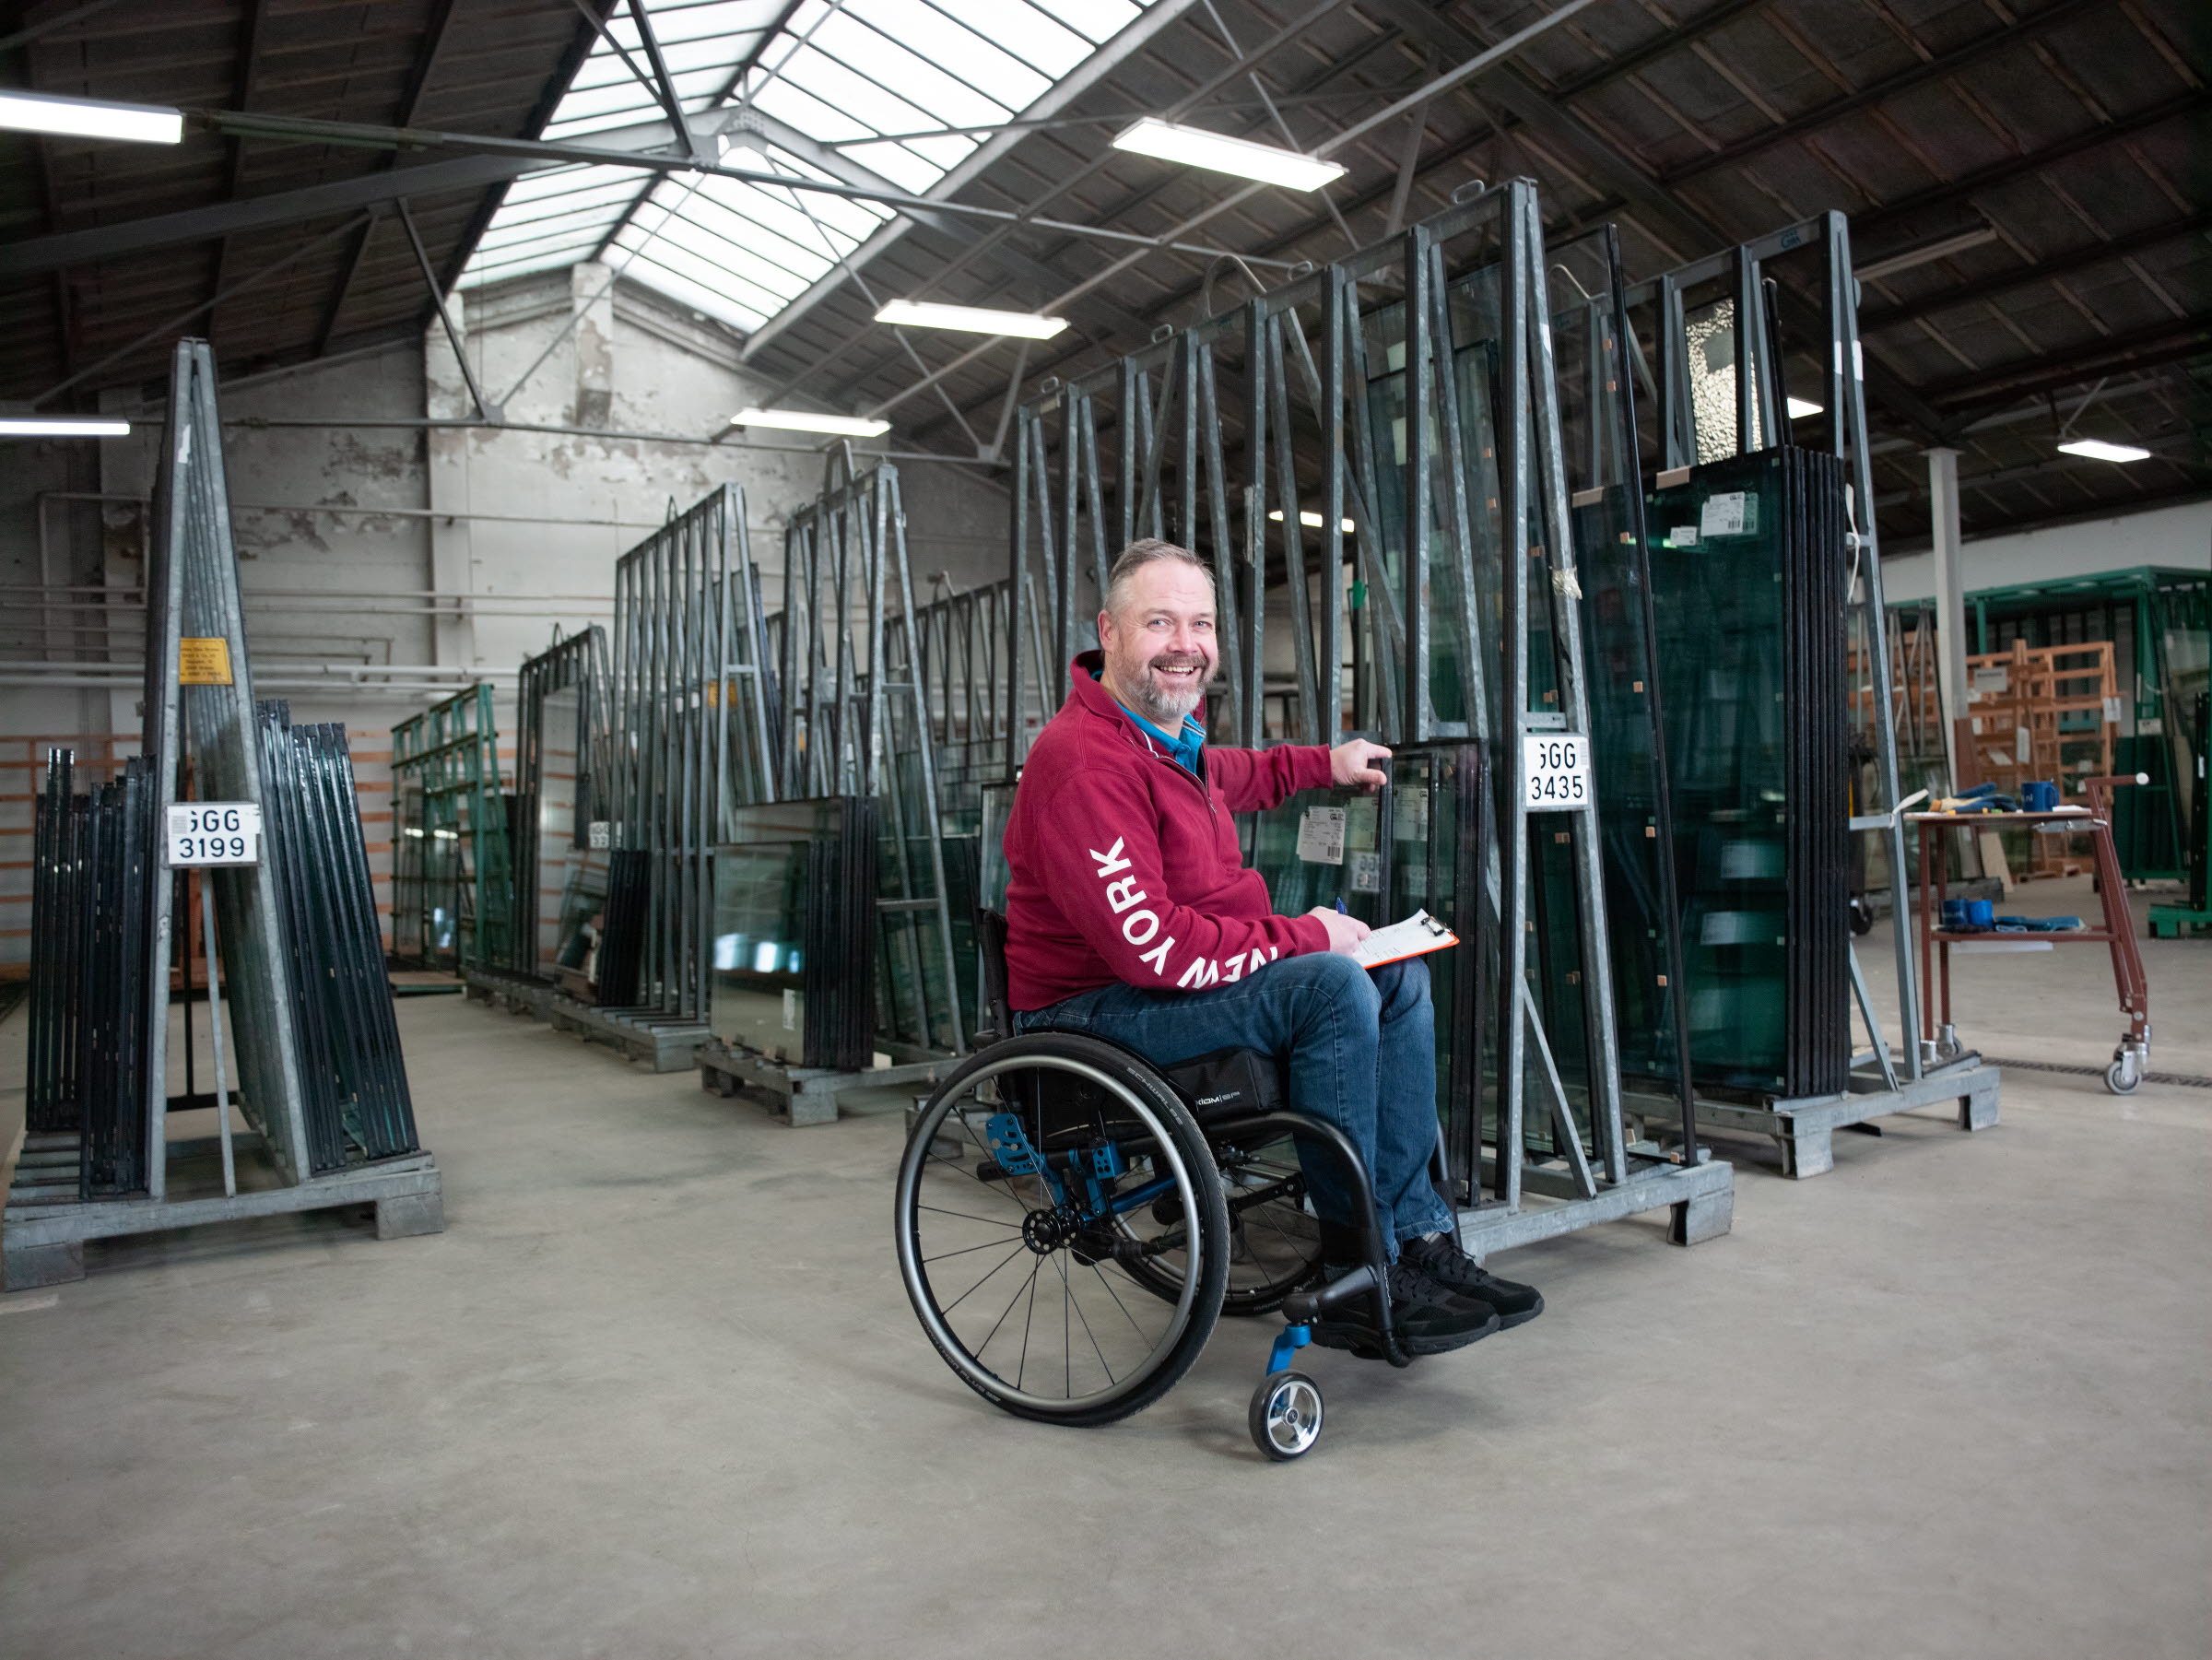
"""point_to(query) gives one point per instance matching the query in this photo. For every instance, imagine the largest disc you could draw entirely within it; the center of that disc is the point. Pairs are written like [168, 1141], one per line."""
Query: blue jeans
[1363, 1051]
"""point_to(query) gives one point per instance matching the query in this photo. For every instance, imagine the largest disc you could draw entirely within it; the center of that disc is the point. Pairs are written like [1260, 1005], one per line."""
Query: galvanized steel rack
[1710, 404]
[1426, 578]
[689, 735]
[453, 893]
[199, 712]
[850, 698]
[562, 757]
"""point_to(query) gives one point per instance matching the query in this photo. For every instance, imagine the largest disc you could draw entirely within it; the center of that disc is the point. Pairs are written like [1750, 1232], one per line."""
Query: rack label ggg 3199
[213, 832]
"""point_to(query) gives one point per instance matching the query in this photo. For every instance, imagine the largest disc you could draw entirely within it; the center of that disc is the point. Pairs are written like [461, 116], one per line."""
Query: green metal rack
[2158, 619]
[452, 877]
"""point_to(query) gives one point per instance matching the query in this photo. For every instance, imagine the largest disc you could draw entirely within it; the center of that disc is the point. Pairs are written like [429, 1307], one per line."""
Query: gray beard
[1165, 710]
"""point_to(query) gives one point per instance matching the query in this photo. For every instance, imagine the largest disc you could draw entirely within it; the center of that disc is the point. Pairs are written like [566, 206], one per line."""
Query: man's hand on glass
[1351, 765]
[1344, 932]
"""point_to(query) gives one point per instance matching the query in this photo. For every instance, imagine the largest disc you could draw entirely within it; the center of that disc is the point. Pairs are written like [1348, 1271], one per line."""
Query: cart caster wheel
[1284, 1419]
[2121, 1077]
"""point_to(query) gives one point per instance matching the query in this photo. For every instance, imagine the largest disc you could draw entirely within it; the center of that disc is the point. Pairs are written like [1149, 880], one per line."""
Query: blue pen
[1340, 909]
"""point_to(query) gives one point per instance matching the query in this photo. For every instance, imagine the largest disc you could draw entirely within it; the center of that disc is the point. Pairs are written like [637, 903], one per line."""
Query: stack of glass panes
[795, 936]
[353, 1082]
[1749, 579]
[94, 866]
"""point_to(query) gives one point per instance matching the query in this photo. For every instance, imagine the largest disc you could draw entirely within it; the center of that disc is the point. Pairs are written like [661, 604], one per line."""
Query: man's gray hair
[1134, 558]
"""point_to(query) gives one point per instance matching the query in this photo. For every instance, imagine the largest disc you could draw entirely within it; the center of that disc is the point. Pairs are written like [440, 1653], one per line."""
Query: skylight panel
[1017, 28]
[702, 260]
[618, 104]
[599, 182]
[807, 112]
[953, 53]
[874, 107]
[1096, 20]
[711, 296]
[853, 74]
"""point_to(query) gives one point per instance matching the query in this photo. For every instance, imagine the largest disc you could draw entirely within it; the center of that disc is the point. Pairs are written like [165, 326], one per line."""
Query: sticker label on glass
[1320, 835]
[1731, 513]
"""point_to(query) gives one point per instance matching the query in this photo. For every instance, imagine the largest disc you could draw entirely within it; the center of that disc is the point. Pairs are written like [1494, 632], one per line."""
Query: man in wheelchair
[1131, 917]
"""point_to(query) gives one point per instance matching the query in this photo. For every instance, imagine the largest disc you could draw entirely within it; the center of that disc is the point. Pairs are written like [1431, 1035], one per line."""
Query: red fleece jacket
[1124, 867]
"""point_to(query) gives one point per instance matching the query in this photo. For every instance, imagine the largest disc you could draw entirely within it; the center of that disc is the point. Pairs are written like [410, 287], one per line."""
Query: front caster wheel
[2121, 1077]
[1285, 1417]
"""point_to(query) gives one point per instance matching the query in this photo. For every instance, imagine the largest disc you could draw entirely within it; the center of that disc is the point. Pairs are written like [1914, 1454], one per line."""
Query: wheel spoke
[964, 1251]
[979, 1285]
[1009, 1310]
[987, 1221]
[1119, 1303]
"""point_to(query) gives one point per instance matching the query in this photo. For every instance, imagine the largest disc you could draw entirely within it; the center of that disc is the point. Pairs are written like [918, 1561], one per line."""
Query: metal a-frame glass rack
[1726, 329]
[293, 948]
[1400, 510]
[833, 937]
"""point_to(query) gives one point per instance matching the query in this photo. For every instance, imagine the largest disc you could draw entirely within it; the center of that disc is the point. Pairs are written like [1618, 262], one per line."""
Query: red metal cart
[2132, 1058]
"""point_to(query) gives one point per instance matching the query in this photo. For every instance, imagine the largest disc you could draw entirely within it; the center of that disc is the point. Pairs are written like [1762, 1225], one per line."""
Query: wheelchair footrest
[1304, 1307]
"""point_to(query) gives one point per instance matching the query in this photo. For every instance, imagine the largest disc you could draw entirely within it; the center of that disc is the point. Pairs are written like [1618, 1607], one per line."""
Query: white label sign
[214, 832]
[1320, 835]
[1554, 771]
[1733, 513]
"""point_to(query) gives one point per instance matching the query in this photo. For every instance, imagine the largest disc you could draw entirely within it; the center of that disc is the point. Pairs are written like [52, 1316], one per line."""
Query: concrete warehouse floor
[656, 1392]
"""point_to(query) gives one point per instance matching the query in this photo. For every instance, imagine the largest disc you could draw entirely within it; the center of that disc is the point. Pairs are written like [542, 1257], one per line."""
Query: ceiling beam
[2058, 264]
[1670, 221]
[410, 104]
[1935, 68]
[2162, 342]
[1664, 44]
[1948, 193]
[260, 213]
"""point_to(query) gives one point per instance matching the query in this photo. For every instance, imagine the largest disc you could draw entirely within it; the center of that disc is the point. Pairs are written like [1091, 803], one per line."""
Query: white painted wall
[489, 538]
[2167, 536]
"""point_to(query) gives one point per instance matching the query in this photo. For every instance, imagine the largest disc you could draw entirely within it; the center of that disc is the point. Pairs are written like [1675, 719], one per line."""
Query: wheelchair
[1055, 1178]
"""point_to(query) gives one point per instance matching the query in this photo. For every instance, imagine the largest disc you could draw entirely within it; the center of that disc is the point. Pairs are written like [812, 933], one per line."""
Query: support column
[1951, 600]
[451, 571]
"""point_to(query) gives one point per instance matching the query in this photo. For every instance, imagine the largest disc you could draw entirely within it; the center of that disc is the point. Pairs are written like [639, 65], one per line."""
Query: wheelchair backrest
[997, 1020]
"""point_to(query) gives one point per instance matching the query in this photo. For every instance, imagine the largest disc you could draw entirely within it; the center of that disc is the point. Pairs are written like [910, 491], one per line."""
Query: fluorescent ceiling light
[1194, 146]
[1942, 247]
[969, 319]
[807, 420]
[2096, 449]
[1800, 409]
[90, 118]
[62, 427]
[1312, 521]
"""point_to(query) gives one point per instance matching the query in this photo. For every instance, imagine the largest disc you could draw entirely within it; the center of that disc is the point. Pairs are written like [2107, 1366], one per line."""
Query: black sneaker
[1454, 1270]
[1428, 1319]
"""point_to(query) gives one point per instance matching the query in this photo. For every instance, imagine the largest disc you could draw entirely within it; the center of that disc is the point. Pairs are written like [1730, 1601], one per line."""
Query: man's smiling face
[1158, 641]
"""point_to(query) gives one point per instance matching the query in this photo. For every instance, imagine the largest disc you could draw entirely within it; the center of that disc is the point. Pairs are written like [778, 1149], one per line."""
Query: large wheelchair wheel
[1273, 1240]
[1081, 1168]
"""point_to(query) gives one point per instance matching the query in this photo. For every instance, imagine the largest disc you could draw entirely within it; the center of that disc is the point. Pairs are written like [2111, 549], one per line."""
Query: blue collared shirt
[1184, 750]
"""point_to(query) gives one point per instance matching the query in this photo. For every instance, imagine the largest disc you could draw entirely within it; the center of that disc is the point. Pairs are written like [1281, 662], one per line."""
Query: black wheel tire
[1075, 1051]
[1281, 1393]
